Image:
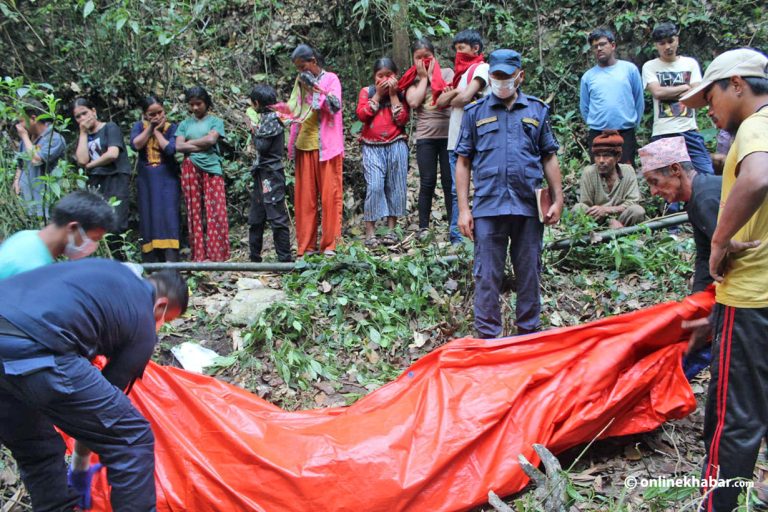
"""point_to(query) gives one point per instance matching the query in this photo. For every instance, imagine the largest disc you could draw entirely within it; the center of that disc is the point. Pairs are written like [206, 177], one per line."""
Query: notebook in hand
[543, 202]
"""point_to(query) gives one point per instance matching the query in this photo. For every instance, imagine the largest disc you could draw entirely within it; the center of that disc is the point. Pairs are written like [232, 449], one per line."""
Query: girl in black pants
[423, 83]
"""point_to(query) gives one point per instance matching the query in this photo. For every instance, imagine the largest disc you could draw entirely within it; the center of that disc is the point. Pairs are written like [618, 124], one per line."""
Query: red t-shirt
[382, 125]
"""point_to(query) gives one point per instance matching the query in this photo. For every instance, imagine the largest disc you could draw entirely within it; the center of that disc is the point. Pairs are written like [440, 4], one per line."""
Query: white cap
[742, 62]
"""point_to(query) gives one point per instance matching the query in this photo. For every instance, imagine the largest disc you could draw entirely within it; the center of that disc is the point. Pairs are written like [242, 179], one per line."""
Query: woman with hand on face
[101, 153]
[317, 145]
[423, 83]
[154, 138]
[384, 114]
[201, 178]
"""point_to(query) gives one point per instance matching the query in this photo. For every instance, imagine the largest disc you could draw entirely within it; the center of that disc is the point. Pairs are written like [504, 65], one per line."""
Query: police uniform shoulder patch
[474, 103]
[486, 120]
[538, 100]
[530, 120]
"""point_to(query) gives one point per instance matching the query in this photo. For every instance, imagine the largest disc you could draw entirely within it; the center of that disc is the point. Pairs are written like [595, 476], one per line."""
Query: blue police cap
[506, 61]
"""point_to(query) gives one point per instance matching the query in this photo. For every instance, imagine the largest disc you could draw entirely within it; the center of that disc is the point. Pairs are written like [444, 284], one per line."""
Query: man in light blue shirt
[611, 94]
[79, 221]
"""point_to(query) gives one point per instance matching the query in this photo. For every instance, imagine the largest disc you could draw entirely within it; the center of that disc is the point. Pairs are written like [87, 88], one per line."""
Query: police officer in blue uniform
[53, 321]
[507, 141]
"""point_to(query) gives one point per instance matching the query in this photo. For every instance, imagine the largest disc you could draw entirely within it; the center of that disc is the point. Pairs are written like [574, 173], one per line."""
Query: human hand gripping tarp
[438, 438]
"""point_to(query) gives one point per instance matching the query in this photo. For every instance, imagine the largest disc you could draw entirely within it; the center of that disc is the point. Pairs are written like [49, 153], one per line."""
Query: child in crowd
[268, 193]
[101, 153]
[384, 113]
[423, 84]
[470, 81]
[201, 177]
[154, 138]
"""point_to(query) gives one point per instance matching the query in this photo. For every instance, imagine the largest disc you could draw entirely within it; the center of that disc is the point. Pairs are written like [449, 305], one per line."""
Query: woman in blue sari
[159, 190]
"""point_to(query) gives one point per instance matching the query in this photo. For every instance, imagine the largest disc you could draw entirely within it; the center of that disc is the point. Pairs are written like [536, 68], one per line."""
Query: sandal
[371, 242]
[389, 239]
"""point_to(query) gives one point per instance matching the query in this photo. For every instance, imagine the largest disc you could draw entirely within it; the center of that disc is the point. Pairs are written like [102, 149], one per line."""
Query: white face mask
[159, 323]
[86, 248]
[503, 89]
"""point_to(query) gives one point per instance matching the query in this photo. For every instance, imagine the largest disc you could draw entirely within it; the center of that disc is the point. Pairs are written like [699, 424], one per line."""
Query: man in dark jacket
[668, 169]
[53, 321]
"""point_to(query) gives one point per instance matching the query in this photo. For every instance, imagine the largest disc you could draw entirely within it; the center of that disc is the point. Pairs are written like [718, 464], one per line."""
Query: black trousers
[628, 149]
[268, 204]
[38, 390]
[736, 416]
[430, 152]
[117, 186]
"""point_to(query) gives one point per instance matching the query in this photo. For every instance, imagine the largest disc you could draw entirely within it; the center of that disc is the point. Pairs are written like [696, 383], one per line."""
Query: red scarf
[463, 62]
[436, 82]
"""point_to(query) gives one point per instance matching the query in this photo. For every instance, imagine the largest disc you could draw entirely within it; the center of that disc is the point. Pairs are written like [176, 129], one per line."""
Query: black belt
[8, 329]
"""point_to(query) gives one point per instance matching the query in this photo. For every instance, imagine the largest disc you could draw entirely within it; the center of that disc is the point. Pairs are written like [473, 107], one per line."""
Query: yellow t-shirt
[746, 279]
[309, 134]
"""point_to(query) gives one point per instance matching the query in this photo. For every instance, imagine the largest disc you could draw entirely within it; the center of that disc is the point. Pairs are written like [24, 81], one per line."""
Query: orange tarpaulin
[438, 438]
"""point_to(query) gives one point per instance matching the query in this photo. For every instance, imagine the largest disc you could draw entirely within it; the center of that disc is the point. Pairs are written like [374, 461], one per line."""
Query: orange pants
[314, 178]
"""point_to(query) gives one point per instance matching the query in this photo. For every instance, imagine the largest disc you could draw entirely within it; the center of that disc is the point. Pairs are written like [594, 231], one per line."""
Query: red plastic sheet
[442, 435]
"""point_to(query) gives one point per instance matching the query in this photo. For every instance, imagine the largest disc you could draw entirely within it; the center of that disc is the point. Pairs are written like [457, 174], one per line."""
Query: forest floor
[579, 286]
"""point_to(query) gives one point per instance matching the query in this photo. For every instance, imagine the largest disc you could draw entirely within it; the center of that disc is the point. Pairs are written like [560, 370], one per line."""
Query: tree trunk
[401, 35]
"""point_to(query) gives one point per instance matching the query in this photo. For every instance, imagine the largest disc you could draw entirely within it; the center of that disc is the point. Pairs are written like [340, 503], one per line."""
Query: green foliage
[64, 178]
[358, 309]
[652, 252]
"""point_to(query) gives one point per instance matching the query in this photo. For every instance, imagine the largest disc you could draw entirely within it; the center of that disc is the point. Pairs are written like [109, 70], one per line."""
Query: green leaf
[235, 89]
[297, 325]
[134, 26]
[163, 38]
[224, 361]
[356, 127]
[88, 9]
[120, 23]
[343, 301]
[375, 335]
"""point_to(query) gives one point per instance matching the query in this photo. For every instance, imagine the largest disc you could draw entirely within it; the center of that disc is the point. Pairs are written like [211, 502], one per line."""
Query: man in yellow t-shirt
[735, 86]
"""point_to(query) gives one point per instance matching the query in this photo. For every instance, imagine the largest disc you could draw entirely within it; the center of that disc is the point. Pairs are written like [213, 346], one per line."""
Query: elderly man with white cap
[669, 171]
[735, 86]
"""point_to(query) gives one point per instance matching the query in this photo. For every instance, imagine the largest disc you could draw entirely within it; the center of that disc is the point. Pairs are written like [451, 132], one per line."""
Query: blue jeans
[694, 142]
[454, 233]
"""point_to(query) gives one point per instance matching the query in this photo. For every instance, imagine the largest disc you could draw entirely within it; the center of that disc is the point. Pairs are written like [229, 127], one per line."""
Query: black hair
[422, 43]
[384, 63]
[306, 52]
[32, 107]
[599, 33]
[471, 37]
[758, 85]
[87, 208]
[264, 95]
[149, 101]
[664, 31]
[81, 102]
[170, 284]
[199, 93]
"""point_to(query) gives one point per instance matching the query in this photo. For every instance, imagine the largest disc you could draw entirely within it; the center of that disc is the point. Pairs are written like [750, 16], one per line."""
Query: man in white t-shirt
[668, 78]
[470, 82]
